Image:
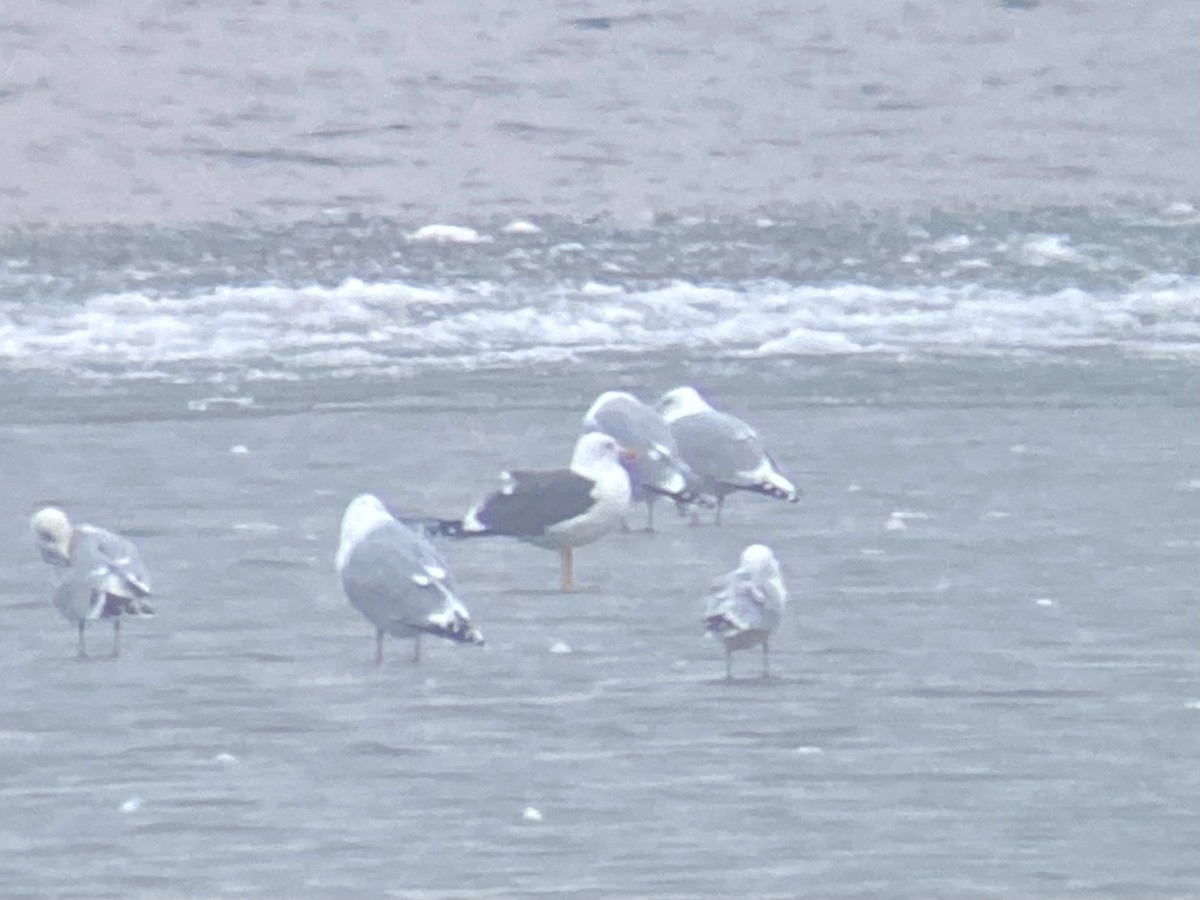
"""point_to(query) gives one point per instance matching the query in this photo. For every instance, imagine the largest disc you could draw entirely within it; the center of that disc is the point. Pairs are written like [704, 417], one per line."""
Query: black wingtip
[451, 528]
[136, 608]
[694, 498]
[423, 525]
[459, 630]
[768, 490]
[719, 624]
[686, 497]
[778, 493]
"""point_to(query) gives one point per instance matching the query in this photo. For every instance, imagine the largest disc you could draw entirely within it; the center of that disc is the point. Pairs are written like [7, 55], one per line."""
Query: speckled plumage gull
[656, 468]
[746, 605]
[724, 452]
[558, 509]
[97, 574]
[398, 580]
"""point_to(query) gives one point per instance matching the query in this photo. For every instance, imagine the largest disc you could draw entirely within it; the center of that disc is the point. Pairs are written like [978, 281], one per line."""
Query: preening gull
[558, 509]
[724, 452]
[98, 574]
[397, 579]
[746, 604]
[656, 469]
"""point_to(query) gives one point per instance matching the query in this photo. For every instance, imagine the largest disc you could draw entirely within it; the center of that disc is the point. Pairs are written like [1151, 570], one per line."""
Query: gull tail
[138, 608]
[454, 626]
[783, 489]
[771, 484]
[111, 604]
[773, 488]
[137, 586]
[721, 625]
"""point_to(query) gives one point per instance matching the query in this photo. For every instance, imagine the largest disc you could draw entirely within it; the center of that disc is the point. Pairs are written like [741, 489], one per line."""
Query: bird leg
[417, 649]
[766, 661]
[728, 666]
[567, 558]
[116, 650]
[649, 529]
[720, 506]
[81, 653]
[379, 646]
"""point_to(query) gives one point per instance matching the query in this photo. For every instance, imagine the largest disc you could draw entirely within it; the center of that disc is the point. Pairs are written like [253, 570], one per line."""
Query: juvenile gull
[397, 579]
[97, 574]
[558, 509]
[657, 469]
[724, 452]
[746, 604]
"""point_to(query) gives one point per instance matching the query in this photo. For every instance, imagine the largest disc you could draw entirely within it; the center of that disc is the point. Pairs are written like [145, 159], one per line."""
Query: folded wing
[403, 586]
[528, 503]
[106, 574]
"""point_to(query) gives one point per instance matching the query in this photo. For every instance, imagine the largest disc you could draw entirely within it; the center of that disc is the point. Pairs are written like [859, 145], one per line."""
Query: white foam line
[360, 326]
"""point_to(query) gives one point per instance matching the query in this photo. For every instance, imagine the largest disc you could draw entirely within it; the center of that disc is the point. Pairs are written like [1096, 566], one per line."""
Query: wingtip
[137, 608]
[719, 624]
[451, 528]
[789, 494]
[695, 498]
[686, 497]
[141, 588]
[455, 627]
[471, 635]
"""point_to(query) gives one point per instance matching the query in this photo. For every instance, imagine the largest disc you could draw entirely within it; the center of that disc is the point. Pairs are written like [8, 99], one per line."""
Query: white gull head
[680, 402]
[589, 418]
[52, 530]
[365, 513]
[759, 561]
[595, 450]
[759, 564]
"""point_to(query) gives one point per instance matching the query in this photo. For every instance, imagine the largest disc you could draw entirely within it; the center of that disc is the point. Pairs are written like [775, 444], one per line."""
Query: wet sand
[985, 683]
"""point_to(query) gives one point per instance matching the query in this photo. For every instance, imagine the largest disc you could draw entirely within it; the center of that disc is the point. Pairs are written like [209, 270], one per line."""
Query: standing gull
[558, 509]
[397, 579]
[746, 604]
[726, 454]
[98, 574]
[657, 469]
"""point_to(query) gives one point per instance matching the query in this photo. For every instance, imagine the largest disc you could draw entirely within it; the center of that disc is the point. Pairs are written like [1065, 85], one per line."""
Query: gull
[724, 452]
[97, 574]
[657, 469]
[746, 604]
[557, 509]
[397, 579]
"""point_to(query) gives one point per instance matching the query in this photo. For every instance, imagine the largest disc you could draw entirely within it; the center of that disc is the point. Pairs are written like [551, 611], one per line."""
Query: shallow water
[947, 260]
[986, 684]
[186, 112]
